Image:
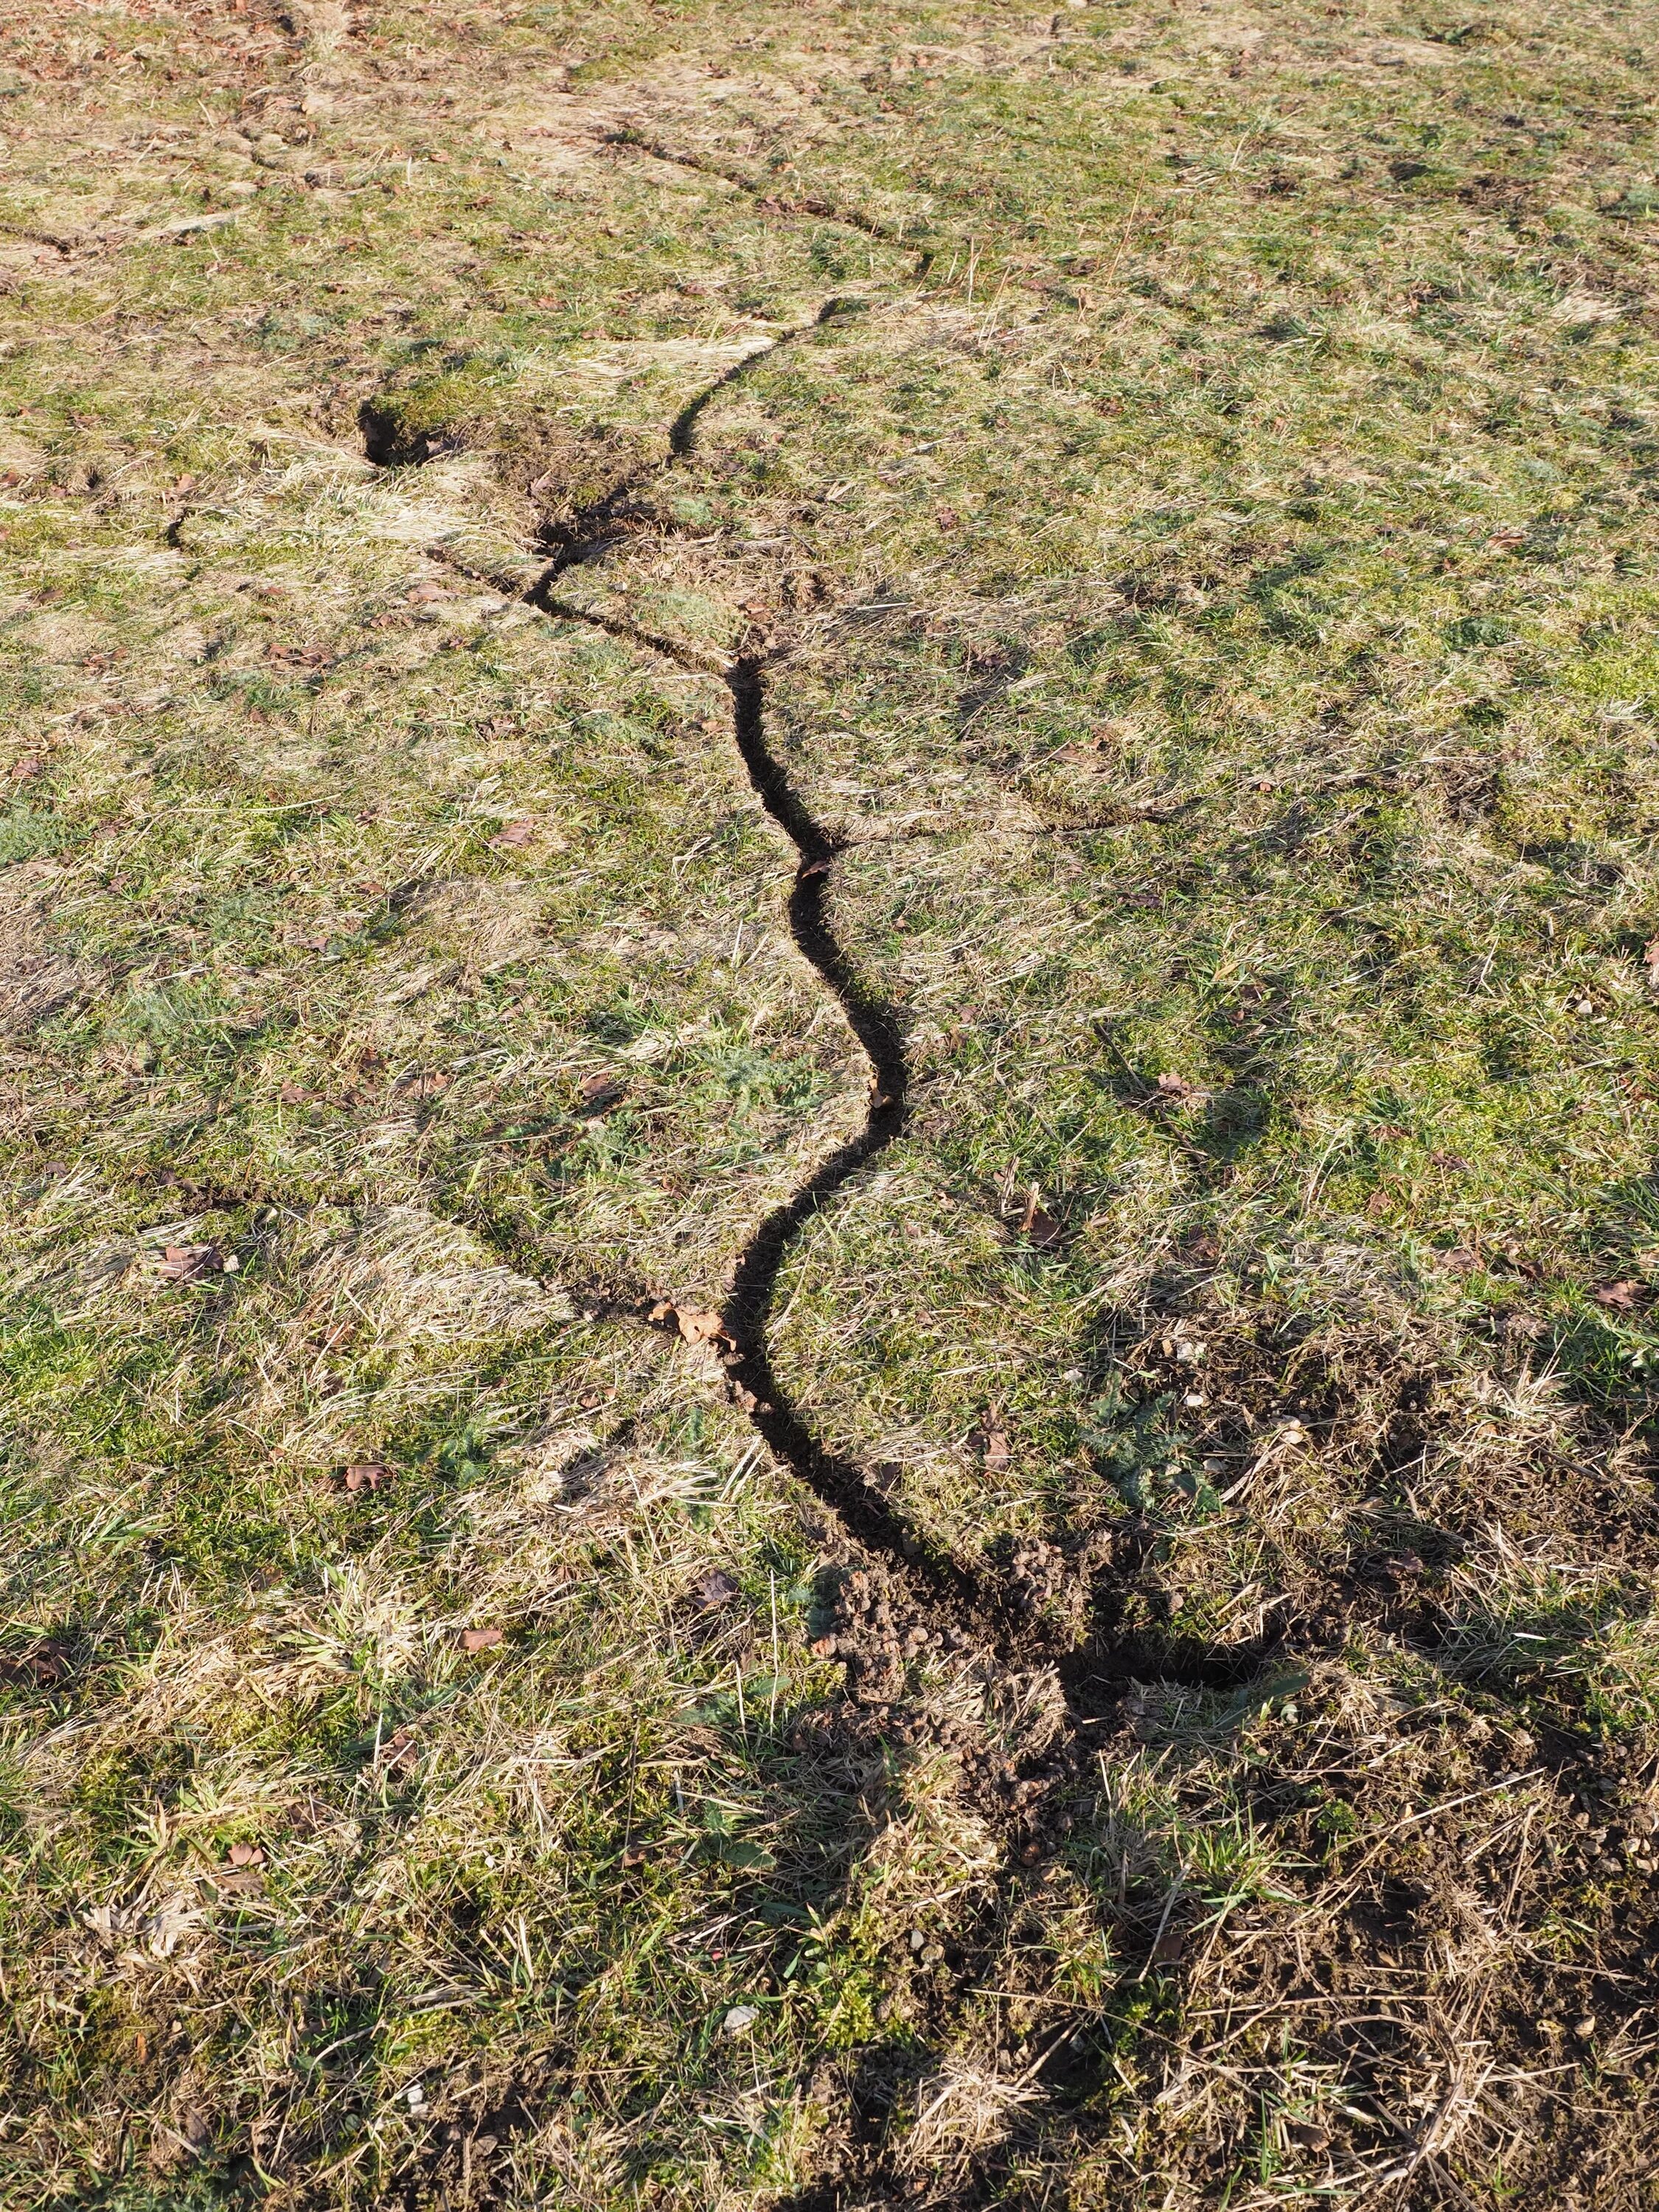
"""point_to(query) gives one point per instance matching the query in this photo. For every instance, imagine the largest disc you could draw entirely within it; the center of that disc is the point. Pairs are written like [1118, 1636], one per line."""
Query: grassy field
[829, 1053]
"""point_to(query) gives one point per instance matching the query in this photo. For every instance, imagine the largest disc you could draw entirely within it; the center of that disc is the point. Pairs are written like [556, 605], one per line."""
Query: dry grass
[1186, 484]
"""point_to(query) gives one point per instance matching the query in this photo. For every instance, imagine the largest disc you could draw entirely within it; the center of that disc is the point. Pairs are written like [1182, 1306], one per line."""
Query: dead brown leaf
[398, 1747]
[993, 1445]
[1037, 1225]
[480, 1639]
[189, 1263]
[1168, 1948]
[701, 1328]
[600, 1091]
[1621, 1297]
[368, 1474]
[236, 1881]
[514, 833]
[1178, 1091]
[44, 1664]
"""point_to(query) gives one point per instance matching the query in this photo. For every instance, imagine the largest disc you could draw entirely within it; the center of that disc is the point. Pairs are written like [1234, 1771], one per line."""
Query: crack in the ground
[1093, 1675]
[931, 1580]
[962, 1610]
[634, 140]
[927, 247]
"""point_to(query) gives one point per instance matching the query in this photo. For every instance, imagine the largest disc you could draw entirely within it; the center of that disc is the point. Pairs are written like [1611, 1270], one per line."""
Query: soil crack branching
[941, 1587]
[933, 1578]
[629, 136]
[935, 1582]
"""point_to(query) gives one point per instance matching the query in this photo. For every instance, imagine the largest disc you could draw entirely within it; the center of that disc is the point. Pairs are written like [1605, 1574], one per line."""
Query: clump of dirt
[876, 1644]
[1016, 1758]
[1038, 1578]
[1046, 1587]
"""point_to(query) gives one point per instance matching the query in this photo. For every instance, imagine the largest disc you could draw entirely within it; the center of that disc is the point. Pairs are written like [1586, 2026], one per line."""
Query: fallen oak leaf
[368, 1475]
[246, 1854]
[188, 1263]
[994, 1444]
[696, 1325]
[1621, 1297]
[44, 1665]
[514, 834]
[1038, 1225]
[480, 1639]
[423, 593]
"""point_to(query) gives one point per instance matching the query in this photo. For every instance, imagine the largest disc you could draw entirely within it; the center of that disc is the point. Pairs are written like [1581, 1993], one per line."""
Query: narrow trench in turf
[1096, 1673]
[931, 1581]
